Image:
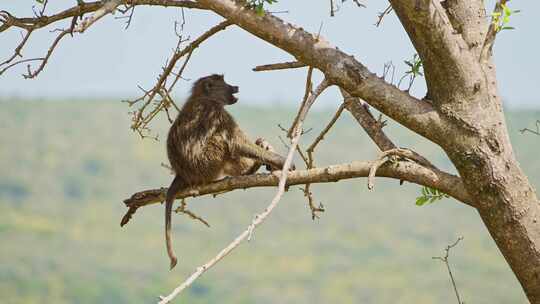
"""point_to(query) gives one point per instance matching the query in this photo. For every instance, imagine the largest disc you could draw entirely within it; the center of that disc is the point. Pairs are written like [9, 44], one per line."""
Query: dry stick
[279, 66]
[18, 49]
[323, 133]
[307, 93]
[31, 74]
[363, 116]
[18, 62]
[536, 132]
[259, 219]
[309, 162]
[183, 209]
[445, 260]
[381, 15]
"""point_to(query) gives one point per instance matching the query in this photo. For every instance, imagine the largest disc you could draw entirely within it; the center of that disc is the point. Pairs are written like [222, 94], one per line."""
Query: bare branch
[45, 59]
[310, 162]
[183, 209]
[101, 8]
[18, 49]
[381, 15]
[279, 66]
[536, 132]
[140, 119]
[7, 20]
[444, 259]
[373, 128]
[307, 103]
[400, 170]
[323, 133]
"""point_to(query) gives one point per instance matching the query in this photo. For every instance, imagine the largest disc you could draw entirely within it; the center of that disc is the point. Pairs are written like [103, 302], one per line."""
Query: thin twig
[141, 120]
[183, 209]
[310, 164]
[18, 49]
[444, 259]
[323, 133]
[307, 93]
[537, 131]
[33, 74]
[381, 15]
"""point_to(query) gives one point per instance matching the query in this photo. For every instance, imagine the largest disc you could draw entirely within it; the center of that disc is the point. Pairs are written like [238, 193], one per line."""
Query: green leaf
[506, 9]
[259, 9]
[421, 200]
[508, 28]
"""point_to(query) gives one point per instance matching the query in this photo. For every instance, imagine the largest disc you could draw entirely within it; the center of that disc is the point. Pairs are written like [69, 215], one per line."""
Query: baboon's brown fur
[205, 144]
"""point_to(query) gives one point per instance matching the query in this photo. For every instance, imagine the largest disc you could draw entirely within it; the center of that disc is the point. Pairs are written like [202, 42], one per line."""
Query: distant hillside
[67, 166]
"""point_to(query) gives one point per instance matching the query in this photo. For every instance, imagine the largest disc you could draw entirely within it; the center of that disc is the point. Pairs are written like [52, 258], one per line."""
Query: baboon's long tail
[175, 186]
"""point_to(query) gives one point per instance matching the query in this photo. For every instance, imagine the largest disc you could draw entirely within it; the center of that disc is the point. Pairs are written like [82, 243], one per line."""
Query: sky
[108, 61]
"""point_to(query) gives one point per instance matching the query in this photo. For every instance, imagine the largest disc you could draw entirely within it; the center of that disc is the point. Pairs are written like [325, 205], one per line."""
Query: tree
[462, 111]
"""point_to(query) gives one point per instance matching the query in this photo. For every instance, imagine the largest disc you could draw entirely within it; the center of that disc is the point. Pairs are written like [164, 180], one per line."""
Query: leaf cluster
[502, 18]
[430, 195]
[415, 66]
[258, 5]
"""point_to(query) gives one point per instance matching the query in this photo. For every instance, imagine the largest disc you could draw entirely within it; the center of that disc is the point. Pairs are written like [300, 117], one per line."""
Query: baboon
[205, 144]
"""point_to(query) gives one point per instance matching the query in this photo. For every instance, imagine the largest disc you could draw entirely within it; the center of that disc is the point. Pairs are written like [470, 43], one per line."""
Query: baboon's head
[215, 87]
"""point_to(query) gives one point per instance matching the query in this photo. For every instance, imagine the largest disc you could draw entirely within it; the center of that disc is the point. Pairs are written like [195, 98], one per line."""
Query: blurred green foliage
[66, 166]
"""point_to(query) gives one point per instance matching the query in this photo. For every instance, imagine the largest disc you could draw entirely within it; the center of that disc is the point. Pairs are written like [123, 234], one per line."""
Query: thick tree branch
[372, 126]
[468, 18]
[445, 54]
[338, 67]
[401, 170]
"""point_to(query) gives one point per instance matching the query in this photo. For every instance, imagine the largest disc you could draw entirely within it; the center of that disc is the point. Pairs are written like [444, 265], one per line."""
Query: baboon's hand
[261, 142]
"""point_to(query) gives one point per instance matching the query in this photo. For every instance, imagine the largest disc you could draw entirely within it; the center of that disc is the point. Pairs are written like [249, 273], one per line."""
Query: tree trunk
[451, 40]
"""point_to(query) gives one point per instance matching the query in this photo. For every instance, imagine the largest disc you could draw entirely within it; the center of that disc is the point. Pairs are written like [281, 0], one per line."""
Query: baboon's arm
[244, 148]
